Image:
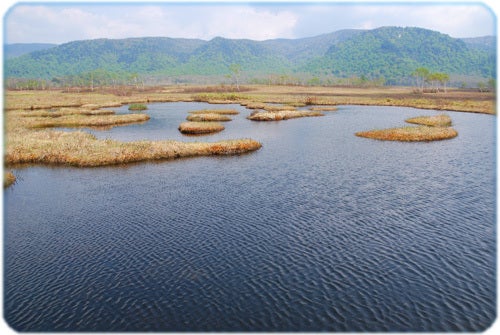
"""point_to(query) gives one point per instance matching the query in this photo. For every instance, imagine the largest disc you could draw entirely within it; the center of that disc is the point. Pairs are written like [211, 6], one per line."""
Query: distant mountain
[303, 49]
[486, 43]
[393, 53]
[388, 52]
[19, 49]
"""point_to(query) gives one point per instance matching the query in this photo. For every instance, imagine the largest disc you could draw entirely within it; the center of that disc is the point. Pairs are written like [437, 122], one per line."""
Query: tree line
[434, 80]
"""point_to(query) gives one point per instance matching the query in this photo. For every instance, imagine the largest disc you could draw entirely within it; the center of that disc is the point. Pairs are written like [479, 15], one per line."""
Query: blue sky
[56, 22]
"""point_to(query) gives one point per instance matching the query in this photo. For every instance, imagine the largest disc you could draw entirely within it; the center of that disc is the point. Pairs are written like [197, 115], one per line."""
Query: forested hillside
[393, 53]
[387, 53]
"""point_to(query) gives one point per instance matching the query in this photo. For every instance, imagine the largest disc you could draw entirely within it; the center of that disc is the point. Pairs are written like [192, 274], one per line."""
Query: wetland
[316, 229]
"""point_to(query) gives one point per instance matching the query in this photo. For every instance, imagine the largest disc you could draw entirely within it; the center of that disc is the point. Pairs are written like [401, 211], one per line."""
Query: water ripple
[300, 237]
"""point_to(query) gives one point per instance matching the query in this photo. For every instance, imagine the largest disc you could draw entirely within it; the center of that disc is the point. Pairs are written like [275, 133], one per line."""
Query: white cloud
[58, 23]
[251, 23]
[453, 19]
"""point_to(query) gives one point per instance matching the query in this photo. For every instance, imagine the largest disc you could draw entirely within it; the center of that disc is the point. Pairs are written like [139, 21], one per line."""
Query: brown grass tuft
[208, 117]
[77, 120]
[84, 150]
[441, 120]
[216, 111]
[195, 128]
[281, 115]
[410, 134]
[274, 108]
[8, 179]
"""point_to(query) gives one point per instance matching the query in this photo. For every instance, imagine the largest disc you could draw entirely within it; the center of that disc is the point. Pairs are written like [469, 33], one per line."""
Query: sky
[58, 22]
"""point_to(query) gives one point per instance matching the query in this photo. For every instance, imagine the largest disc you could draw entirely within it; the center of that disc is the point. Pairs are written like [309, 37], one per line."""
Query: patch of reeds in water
[208, 117]
[324, 108]
[77, 120]
[410, 134]
[197, 128]
[216, 111]
[84, 150]
[441, 120]
[137, 107]
[63, 112]
[8, 179]
[278, 108]
[431, 128]
[281, 115]
[253, 104]
[218, 98]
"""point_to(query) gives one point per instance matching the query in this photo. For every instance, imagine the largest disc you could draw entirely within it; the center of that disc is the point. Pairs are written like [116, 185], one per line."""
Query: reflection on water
[317, 231]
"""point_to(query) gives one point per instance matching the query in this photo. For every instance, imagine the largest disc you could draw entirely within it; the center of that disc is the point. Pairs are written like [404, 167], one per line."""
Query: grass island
[31, 116]
[198, 128]
[281, 115]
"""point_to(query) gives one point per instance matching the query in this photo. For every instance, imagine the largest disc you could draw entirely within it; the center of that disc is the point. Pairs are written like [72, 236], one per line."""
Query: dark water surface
[317, 231]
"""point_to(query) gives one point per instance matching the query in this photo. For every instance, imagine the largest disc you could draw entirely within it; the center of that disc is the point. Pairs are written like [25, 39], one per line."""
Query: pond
[319, 230]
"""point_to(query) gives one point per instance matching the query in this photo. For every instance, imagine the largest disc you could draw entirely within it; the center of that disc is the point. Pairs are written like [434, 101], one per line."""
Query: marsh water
[319, 230]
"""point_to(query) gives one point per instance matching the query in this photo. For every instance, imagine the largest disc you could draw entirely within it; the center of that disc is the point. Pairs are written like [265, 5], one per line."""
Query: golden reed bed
[431, 128]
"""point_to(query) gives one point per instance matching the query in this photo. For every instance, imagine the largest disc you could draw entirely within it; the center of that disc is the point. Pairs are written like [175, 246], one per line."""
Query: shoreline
[455, 100]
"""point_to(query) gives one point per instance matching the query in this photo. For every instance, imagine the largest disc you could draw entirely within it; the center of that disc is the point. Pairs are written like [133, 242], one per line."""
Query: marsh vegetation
[282, 115]
[30, 117]
[410, 134]
[197, 128]
[441, 120]
[8, 179]
[208, 117]
[137, 107]
[431, 128]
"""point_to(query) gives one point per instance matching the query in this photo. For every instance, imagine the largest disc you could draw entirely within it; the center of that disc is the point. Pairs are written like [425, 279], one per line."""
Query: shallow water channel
[319, 230]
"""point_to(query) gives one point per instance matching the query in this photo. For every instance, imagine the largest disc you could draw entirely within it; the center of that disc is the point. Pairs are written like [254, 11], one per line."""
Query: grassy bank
[259, 95]
[84, 150]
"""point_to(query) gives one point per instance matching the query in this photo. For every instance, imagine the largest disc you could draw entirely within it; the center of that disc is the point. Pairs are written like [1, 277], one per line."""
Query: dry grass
[27, 111]
[281, 115]
[84, 150]
[29, 140]
[253, 104]
[216, 111]
[452, 100]
[274, 108]
[208, 117]
[219, 98]
[86, 120]
[196, 128]
[441, 120]
[410, 134]
[8, 179]
[63, 112]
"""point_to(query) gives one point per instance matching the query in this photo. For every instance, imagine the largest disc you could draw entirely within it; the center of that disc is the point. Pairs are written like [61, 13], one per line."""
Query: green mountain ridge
[389, 52]
[394, 53]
